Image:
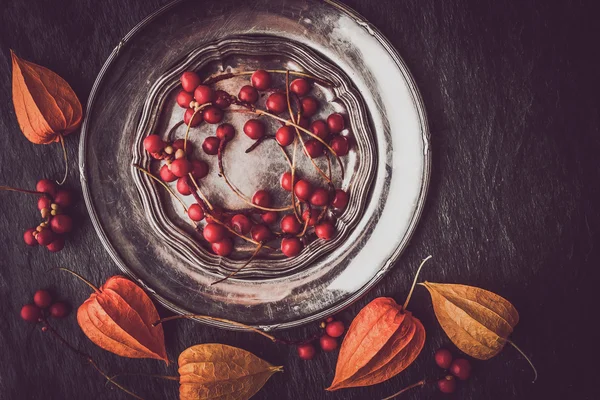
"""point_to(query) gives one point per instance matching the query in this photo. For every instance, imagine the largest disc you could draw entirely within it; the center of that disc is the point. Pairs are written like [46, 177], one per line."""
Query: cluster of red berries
[52, 205]
[43, 306]
[328, 340]
[459, 368]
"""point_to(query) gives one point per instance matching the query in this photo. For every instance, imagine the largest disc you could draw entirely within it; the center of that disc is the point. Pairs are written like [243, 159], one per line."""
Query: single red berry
[42, 298]
[189, 81]
[443, 358]
[248, 94]
[165, 174]
[276, 103]
[340, 145]
[45, 237]
[31, 313]
[212, 115]
[180, 167]
[312, 215]
[222, 99]
[46, 186]
[320, 128]
[304, 122]
[291, 247]
[199, 169]
[28, 237]
[261, 79]
[461, 369]
[214, 233]
[223, 247]
[57, 245]
[285, 135]
[340, 201]
[269, 217]
[260, 233]
[61, 223]
[300, 86]
[314, 148]
[447, 384]
[335, 329]
[225, 132]
[195, 212]
[286, 181]
[262, 198]
[320, 197]
[325, 230]
[187, 117]
[184, 99]
[59, 309]
[306, 351]
[183, 187]
[44, 202]
[335, 122]
[153, 144]
[310, 106]
[241, 224]
[303, 189]
[181, 144]
[254, 129]
[204, 94]
[328, 343]
[289, 224]
[63, 198]
[211, 145]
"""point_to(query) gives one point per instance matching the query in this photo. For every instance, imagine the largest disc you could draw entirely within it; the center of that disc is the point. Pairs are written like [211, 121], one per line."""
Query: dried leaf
[118, 317]
[45, 105]
[218, 371]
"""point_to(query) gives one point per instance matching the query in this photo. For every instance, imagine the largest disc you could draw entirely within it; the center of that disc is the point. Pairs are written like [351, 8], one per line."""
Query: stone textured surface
[510, 91]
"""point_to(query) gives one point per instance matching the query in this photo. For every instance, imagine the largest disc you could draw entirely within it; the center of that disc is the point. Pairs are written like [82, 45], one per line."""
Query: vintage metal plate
[387, 171]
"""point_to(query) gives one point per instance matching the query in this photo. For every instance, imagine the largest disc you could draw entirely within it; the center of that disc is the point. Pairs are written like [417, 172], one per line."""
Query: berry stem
[218, 78]
[163, 184]
[414, 385]
[173, 129]
[258, 142]
[12, 189]
[535, 374]
[240, 268]
[414, 283]
[81, 278]
[64, 150]
[197, 187]
[189, 125]
[166, 377]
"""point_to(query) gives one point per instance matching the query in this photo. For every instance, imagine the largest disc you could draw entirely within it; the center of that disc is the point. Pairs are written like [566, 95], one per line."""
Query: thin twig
[414, 385]
[191, 178]
[240, 268]
[415, 282]
[163, 184]
[173, 129]
[12, 189]
[90, 284]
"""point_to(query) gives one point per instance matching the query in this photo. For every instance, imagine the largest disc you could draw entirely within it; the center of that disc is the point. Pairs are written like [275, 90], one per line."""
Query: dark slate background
[510, 89]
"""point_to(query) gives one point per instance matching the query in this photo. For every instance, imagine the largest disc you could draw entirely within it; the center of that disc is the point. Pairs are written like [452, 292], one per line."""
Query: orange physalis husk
[118, 317]
[45, 105]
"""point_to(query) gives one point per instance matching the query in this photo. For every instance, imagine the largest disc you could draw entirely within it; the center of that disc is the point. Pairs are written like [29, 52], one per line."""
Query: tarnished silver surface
[338, 36]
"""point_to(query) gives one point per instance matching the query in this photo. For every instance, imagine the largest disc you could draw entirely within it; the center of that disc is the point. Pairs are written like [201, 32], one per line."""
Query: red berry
[184, 99]
[248, 94]
[443, 358]
[285, 135]
[45, 237]
[241, 224]
[181, 144]
[260, 233]
[300, 86]
[319, 198]
[291, 247]
[314, 148]
[42, 298]
[328, 343]
[303, 189]
[204, 94]
[44, 202]
[340, 201]
[310, 106]
[199, 169]
[335, 122]
[31, 313]
[61, 223]
[261, 79]
[306, 351]
[461, 369]
[214, 233]
[313, 216]
[225, 132]
[195, 212]
[262, 198]
[211, 145]
[181, 167]
[223, 247]
[254, 129]
[183, 187]
[269, 217]
[320, 128]
[189, 81]
[212, 115]
[63, 198]
[57, 245]
[340, 145]
[447, 384]
[286, 181]
[277, 103]
[222, 99]
[325, 230]
[187, 117]
[59, 309]
[289, 224]
[165, 174]
[28, 237]
[46, 186]
[335, 329]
